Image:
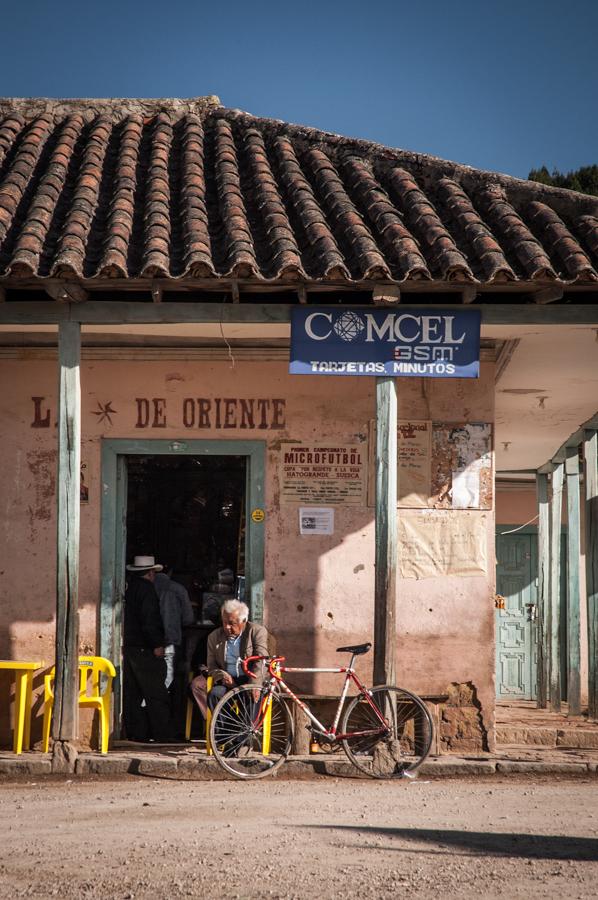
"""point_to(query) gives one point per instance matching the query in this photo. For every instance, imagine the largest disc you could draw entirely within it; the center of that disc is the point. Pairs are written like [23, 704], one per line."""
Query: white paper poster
[316, 520]
[323, 473]
[441, 542]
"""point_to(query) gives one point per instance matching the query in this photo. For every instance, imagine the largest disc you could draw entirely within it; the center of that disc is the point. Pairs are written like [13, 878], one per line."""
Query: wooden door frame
[113, 518]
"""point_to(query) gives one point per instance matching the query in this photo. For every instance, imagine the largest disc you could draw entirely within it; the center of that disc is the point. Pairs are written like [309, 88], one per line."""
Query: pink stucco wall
[318, 590]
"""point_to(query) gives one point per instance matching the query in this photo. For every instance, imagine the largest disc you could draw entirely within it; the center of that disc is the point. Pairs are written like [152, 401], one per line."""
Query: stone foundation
[461, 725]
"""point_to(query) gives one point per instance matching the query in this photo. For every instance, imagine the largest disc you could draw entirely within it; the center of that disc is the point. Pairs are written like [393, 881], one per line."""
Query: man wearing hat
[146, 699]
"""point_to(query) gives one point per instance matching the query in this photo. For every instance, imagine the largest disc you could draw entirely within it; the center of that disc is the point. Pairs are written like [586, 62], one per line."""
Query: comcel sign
[408, 342]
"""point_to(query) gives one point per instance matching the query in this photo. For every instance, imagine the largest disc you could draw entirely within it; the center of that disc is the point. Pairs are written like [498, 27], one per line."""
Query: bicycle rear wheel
[393, 747]
[244, 743]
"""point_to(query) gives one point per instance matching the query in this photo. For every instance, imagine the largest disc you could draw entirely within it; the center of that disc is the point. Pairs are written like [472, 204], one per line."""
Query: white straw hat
[144, 564]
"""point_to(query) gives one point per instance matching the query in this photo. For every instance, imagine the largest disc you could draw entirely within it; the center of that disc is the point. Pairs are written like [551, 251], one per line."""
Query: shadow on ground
[531, 846]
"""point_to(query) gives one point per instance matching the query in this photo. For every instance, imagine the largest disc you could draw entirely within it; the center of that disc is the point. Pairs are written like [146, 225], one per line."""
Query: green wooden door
[516, 581]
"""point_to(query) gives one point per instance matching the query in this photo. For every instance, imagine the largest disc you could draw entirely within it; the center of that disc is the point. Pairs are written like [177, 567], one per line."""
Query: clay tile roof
[171, 189]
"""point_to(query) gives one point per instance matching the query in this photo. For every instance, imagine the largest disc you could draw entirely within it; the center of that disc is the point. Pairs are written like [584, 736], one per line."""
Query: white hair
[230, 607]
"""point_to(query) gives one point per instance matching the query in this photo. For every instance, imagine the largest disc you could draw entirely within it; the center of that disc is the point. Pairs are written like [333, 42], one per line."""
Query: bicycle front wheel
[388, 732]
[251, 732]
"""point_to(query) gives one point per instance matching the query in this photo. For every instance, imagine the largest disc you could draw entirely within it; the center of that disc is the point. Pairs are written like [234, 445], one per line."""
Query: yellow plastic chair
[209, 683]
[90, 670]
[189, 718]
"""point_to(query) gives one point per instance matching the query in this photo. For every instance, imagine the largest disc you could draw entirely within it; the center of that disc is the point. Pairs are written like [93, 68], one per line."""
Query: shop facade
[148, 287]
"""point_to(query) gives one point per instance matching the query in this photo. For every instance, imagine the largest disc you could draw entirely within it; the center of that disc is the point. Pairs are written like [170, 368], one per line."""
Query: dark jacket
[254, 642]
[175, 608]
[142, 622]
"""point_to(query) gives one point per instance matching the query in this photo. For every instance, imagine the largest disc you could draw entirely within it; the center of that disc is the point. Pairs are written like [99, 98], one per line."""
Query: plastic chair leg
[28, 698]
[267, 727]
[20, 704]
[46, 726]
[209, 685]
[208, 723]
[188, 719]
[104, 726]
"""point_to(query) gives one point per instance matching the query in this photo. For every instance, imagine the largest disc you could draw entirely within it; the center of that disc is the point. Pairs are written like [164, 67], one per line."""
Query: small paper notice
[466, 488]
[316, 520]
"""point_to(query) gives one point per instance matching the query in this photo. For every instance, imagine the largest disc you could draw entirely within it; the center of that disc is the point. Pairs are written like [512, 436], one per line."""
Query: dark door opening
[189, 512]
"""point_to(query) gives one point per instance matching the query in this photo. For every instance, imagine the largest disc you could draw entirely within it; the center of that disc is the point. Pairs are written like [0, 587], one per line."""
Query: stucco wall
[318, 590]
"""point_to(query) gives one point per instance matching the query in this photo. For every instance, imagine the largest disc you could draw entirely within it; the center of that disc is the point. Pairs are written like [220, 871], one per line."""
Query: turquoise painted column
[65, 717]
[591, 542]
[573, 599]
[385, 631]
[543, 588]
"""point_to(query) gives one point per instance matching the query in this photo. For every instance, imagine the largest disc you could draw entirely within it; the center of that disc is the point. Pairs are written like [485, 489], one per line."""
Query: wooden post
[554, 619]
[591, 542]
[573, 560]
[543, 588]
[385, 637]
[66, 687]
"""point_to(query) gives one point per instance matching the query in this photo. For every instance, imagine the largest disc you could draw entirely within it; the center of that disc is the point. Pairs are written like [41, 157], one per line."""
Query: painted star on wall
[105, 412]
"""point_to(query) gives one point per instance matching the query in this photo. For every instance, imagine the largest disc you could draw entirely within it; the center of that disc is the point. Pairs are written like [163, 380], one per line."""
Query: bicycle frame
[276, 670]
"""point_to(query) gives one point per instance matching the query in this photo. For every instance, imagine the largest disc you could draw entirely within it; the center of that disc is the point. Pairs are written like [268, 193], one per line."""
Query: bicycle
[386, 731]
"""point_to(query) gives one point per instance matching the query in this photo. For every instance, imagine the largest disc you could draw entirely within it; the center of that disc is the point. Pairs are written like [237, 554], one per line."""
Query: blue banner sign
[410, 341]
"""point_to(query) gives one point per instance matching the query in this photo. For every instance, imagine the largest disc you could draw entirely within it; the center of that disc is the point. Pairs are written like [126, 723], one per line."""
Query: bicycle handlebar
[250, 659]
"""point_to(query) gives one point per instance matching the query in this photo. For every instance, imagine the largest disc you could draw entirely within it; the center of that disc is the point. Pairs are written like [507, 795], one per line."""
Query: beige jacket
[254, 642]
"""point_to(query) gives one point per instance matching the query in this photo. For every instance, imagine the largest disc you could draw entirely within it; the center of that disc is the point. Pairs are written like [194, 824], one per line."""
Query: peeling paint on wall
[42, 465]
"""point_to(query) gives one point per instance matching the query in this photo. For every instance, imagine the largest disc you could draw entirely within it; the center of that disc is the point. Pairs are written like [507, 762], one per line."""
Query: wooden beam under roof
[108, 312]
[67, 292]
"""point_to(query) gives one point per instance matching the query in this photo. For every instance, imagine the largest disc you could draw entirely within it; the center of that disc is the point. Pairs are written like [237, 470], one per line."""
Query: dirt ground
[159, 838]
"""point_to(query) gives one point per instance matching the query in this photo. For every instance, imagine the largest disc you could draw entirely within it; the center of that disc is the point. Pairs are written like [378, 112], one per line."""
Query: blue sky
[504, 85]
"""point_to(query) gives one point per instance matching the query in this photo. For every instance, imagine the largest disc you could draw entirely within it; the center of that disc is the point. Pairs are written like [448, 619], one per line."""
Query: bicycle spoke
[405, 742]
[250, 740]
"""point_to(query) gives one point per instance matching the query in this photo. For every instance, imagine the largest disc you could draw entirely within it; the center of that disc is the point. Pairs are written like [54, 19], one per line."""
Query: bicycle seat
[357, 649]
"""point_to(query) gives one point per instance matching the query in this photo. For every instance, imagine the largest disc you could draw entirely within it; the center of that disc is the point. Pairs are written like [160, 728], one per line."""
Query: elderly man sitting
[238, 639]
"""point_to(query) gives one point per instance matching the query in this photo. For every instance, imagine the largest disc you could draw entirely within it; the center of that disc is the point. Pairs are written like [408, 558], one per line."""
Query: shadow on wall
[38, 638]
[11, 644]
[320, 595]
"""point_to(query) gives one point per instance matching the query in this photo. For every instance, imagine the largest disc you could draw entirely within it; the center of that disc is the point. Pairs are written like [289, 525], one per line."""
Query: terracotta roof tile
[30, 243]
[475, 235]
[588, 228]
[559, 241]
[197, 255]
[69, 258]
[401, 249]
[279, 249]
[169, 189]
[514, 235]
[119, 222]
[444, 257]
[321, 255]
[361, 252]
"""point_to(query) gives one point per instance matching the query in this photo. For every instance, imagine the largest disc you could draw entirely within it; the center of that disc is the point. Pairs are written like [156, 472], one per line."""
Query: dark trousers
[144, 676]
[178, 692]
[219, 690]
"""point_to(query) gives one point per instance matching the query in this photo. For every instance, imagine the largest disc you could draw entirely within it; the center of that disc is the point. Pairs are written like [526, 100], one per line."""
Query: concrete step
[542, 736]
[197, 766]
